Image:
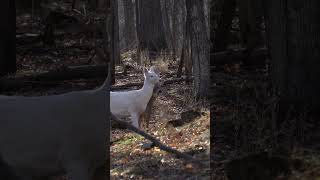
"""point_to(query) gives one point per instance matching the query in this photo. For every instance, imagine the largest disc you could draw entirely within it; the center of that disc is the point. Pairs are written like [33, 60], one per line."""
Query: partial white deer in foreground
[133, 103]
[52, 135]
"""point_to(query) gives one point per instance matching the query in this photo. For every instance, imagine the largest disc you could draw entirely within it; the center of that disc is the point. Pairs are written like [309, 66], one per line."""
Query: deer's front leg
[135, 120]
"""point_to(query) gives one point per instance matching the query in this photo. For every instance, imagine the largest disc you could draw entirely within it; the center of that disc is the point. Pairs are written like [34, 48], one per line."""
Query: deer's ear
[145, 71]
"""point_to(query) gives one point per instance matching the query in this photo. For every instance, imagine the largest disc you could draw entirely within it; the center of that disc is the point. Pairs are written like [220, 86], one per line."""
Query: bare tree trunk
[174, 29]
[293, 40]
[151, 34]
[167, 22]
[250, 20]
[181, 62]
[200, 48]
[115, 34]
[186, 50]
[108, 38]
[8, 37]
[228, 8]
[138, 31]
[129, 26]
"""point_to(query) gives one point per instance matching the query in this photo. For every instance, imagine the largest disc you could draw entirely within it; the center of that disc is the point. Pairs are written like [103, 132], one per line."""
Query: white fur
[133, 103]
[43, 136]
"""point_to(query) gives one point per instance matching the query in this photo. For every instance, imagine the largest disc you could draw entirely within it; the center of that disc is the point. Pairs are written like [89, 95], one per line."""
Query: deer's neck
[147, 90]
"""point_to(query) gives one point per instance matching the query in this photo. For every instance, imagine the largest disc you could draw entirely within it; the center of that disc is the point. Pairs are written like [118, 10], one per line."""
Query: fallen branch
[157, 143]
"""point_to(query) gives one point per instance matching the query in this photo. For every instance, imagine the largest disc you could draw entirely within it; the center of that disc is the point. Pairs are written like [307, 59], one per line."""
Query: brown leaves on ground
[130, 161]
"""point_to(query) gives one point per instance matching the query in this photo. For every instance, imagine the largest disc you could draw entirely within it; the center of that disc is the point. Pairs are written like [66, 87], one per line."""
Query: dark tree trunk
[115, 34]
[129, 25]
[174, 29]
[7, 37]
[108, 5]
[224, 22]
[138, 31]
[200, 48]
[109, 40]
[165, 9]
[293, 28]
[181, 62]
[250, 21]
[151, 34]
[185, 57]
[186, 47]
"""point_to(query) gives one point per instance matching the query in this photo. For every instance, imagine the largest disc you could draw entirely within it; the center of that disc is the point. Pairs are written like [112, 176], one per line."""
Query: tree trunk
[151, 34]
[250, 20]
[138, 31]
[186, 49]
[293, 38]
[111, 73]
[109, 42]
[224, 22]
[129, 25]
[115, 34]
[8, 37]
[174, 29]
[200, 48]
[181, 62]
[166, 11]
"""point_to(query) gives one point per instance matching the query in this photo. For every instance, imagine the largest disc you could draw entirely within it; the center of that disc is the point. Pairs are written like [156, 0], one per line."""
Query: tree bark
[8, 37]
[167, 22]
[109, 40]
[115, 34]
[151, 34]
[224, 22]
[200, 49]
[174, 29]
[293, 39]
[250, 20]
[129, 25]
[186, 49]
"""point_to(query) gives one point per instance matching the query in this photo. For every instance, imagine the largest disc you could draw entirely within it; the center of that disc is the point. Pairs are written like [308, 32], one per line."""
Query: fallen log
[52, 78]
[126, 125]
[226, 57]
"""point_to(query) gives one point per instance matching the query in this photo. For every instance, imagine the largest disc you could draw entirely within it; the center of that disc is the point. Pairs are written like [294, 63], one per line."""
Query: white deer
[51, 135]
[133, 103]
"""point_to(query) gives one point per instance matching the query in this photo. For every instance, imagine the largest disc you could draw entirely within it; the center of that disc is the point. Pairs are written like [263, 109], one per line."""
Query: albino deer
[133, 103]
[52, 135]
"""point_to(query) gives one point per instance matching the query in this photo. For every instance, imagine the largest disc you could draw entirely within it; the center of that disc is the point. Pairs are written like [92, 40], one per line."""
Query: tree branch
[157, 143]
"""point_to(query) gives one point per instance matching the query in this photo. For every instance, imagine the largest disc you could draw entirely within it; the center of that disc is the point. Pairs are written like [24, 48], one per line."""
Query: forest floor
[174, 103]
[235, 92]
[191, 135]
[242, 108]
